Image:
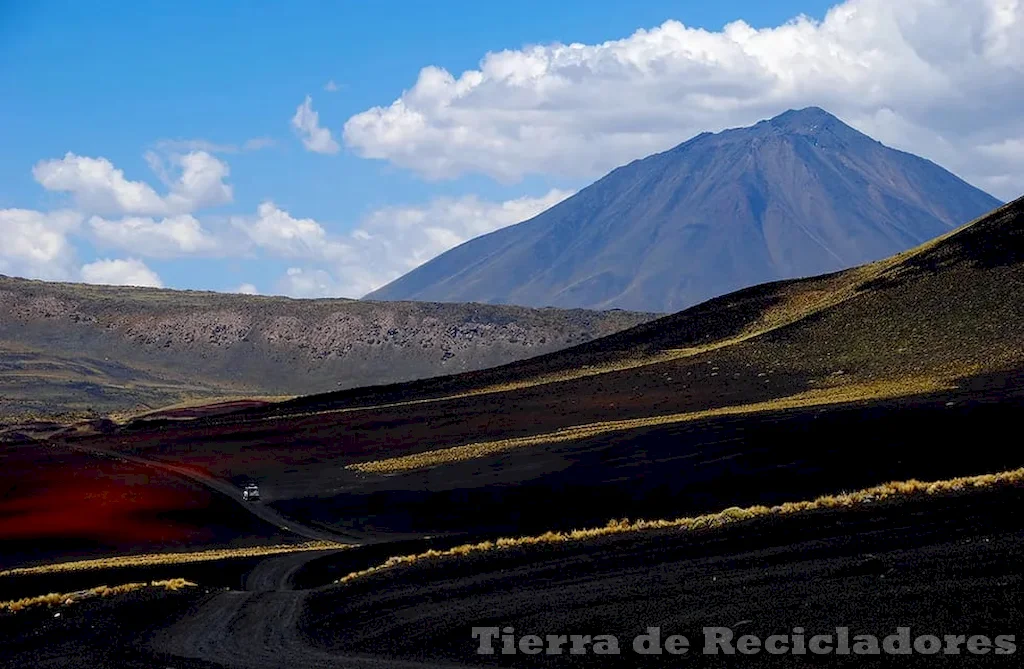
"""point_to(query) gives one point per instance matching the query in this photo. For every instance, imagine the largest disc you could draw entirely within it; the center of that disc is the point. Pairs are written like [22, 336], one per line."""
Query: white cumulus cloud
[306, 124]
[278, 233]
[120, 272]
[941, 78]
[387, 243]
[200, 183]
[405, 237]
[165, 238]
[299, 282]
[99, 187]
[35, 244]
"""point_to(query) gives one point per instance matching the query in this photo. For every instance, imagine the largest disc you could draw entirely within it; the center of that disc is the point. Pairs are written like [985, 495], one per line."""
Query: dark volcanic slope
[927, 343]
[76, 347]
[941, 566]
[950, 307]
[797, 195]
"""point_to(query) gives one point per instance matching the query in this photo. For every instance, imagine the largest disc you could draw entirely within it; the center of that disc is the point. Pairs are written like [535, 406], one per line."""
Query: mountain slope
[696, 411]
[948, 307]
[797, 195]
[66, 347]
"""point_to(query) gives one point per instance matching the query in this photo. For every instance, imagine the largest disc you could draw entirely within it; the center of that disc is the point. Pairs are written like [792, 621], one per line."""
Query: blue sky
[145, 83]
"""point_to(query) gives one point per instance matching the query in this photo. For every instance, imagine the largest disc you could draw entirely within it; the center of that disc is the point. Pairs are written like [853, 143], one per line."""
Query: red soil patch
[57, 501]
[73, 496]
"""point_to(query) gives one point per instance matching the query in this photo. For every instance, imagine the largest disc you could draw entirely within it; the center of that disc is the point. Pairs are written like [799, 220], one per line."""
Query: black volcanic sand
[951, 309]
[97, 633]
[687, 468]
[658, 472]
[947, 565]
[683, 385]
[939, 566]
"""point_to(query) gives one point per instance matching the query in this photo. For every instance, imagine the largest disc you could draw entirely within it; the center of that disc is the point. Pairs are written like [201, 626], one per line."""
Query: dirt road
[260, 626]
[941, 566]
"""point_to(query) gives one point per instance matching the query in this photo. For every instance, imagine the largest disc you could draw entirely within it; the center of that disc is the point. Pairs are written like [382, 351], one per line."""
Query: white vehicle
[251, 493]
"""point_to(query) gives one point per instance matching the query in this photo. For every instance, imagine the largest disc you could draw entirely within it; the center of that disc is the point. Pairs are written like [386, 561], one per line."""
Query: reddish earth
[57, 501]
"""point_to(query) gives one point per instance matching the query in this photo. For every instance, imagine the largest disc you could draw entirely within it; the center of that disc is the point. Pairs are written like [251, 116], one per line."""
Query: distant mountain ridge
[73, 348]
[797, 195]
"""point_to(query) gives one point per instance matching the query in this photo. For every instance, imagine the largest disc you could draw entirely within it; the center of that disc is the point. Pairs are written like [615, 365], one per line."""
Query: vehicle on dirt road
[251, 493]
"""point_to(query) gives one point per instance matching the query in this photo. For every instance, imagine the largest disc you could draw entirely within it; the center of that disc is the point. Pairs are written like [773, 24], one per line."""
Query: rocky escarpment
[98, 347]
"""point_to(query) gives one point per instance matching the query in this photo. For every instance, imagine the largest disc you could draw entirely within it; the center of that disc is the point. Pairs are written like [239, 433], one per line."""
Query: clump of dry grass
[67, 598]
[820, 396]
[151, 559]
[894, 490]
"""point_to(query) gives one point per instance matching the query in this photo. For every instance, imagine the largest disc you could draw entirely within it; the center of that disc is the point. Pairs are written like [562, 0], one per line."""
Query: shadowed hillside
[948, 308]
[648, 420]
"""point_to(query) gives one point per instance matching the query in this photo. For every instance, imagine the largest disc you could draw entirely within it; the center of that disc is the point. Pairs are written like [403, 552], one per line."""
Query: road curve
[262, 511]
[257, 628]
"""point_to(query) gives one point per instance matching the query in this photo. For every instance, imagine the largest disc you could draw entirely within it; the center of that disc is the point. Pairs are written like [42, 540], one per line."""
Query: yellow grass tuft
[66, 598]
[152, 559]
[816, 397]
[894, 490]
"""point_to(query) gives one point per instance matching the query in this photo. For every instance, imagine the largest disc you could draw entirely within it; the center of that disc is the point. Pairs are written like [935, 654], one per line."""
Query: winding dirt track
[937, 565]
[259, 627]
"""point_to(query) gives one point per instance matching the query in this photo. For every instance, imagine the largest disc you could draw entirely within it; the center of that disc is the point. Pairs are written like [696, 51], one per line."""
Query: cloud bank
[941, 78]
[385, 244]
